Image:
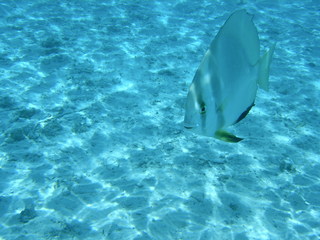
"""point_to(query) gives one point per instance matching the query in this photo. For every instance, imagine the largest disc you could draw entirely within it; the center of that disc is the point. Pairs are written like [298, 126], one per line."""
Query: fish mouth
[187, 127]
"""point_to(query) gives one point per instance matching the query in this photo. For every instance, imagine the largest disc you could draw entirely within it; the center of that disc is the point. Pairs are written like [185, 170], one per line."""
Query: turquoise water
[92, 144]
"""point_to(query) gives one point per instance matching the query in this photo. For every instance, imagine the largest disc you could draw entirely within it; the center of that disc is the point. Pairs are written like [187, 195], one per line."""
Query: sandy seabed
[92, 145]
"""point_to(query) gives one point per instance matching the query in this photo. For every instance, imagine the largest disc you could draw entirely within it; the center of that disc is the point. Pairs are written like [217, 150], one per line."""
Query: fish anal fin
[244, 114]
[264, 66]
[226, 137]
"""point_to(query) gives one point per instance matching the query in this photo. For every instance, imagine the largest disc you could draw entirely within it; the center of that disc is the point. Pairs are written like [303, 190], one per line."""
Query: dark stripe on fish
[197, 88]
[199, 98]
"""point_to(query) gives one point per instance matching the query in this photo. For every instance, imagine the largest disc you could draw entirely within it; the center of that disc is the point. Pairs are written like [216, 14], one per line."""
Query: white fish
[225, 85]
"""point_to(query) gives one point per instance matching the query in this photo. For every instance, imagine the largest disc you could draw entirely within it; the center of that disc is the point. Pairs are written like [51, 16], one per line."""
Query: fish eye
[203, 109]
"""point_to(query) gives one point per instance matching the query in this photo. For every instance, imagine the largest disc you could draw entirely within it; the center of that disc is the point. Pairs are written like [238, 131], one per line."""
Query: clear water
[92, 144]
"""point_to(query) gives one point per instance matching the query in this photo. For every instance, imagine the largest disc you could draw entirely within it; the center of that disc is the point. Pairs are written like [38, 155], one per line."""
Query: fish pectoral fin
[220, 107]
[264, 67]
[226, 137]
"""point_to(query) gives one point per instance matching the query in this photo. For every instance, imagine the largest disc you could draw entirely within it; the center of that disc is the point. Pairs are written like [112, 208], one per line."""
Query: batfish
[224, 87]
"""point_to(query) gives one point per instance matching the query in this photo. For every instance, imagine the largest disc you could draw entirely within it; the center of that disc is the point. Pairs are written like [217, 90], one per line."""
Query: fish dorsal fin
[226, 136]
[264, 66]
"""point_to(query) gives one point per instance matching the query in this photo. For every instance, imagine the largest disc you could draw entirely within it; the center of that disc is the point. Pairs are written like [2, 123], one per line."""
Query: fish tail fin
[226, 136]
[264, 66]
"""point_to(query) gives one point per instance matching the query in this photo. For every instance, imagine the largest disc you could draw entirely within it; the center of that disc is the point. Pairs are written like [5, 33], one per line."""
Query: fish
[224, 87]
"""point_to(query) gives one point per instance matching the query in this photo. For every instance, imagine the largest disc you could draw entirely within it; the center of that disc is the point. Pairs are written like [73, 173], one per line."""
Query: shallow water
[92, 145]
